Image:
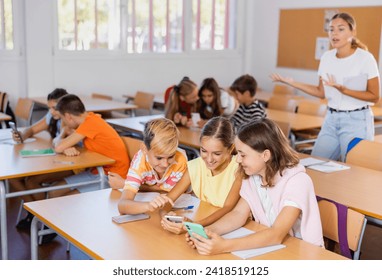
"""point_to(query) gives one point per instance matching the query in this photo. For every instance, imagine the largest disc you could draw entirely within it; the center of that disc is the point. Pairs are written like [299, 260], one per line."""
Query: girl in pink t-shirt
[277, 192]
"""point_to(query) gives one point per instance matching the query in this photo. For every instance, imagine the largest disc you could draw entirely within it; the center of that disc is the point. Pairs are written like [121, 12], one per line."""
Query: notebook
[37, 152]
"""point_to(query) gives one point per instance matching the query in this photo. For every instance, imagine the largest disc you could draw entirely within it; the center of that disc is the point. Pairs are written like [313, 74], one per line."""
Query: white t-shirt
[228, 103]
[352, 72]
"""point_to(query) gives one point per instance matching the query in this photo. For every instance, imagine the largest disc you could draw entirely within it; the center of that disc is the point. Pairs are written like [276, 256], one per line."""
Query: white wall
[265, 41]
[34, 69]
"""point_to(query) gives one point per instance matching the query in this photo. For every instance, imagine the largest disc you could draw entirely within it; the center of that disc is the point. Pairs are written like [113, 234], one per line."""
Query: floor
[19, 242]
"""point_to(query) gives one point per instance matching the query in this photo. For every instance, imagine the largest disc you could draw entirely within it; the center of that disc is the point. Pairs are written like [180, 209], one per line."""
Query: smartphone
[14, 130]
[198, 229]
[121, 219]
[174, 219]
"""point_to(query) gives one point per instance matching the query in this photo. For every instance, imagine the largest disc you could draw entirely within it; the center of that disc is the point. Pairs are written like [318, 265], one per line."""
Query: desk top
[297, 121]
[94, 104]
[86, 222]
[12, 165]
[4, 117]
[188, 136]
[359, 188]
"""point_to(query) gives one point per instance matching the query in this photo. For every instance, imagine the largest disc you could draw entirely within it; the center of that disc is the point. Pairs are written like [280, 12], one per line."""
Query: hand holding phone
[174, 219]
[198, 229]
[15, 133]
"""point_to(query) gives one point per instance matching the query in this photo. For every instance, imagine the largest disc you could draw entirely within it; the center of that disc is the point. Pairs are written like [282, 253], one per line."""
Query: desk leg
[3, 222]
[34, 239]
[102, 176]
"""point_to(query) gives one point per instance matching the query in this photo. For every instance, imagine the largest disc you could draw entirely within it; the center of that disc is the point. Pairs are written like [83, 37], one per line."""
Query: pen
[183, 208]
[63, 162]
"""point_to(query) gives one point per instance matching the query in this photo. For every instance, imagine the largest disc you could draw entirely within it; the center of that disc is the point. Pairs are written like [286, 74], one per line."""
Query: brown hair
[55, 95]
[244, 83]
[263, 135]
[71, 104]
[219, 128]
[161, 135]
[216, 106]
[184, 88]
[355, 43]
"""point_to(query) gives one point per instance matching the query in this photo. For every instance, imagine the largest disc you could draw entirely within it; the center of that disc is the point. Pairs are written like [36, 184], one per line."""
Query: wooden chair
[285, 128]
[365, 153]
[145, 103]
[305, 139]
[24, 110]
[282, 103]
[102, 96]
[132, 145]
[109, 115]
[355, 226]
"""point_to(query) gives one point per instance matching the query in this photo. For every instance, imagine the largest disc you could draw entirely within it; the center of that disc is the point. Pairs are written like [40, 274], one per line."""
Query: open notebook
[323, 165]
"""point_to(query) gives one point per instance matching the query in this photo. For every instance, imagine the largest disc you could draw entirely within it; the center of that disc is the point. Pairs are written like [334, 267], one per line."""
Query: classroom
[40, 53]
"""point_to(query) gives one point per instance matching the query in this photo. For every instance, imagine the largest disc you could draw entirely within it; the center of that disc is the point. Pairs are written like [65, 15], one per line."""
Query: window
[6, 25]
[144, 26]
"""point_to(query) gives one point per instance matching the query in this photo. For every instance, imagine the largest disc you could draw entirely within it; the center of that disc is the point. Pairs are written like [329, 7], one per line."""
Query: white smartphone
[174, 219]
[14, 130]
[129, 218]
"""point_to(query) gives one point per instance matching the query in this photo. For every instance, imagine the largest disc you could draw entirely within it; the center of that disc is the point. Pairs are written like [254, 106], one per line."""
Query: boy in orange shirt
[97, 136]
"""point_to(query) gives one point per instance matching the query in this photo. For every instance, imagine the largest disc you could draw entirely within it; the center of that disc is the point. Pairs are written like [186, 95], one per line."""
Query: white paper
[311, 161]
[184, 200]
[329, 167]
[245, 254]
[10, 141]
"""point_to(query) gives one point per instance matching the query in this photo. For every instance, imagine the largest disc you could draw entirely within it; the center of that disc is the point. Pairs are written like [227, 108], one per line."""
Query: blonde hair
[184, 88]
[161, 136]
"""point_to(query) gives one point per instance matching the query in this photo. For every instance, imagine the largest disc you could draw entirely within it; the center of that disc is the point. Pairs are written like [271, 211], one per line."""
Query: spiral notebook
[37, 152]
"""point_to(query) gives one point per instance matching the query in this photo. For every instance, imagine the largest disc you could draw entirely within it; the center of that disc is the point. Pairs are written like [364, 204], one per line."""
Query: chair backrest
[282, 103]
[24, 109]
[283, 89]
[285, 127]
[3, 102]
[132, 145]
[365, 154]
[312, 108]
[144, 101]
[355, 225]
[102, 96]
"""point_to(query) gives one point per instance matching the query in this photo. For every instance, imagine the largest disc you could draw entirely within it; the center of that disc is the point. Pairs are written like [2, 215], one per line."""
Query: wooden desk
[12, 165]
[85, 221]
[359, 188]
[93, 104]
[188, 136]
[297, 121]
[3, 118]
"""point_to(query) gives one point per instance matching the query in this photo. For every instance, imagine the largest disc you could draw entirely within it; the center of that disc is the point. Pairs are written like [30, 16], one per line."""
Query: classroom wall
[265, 41]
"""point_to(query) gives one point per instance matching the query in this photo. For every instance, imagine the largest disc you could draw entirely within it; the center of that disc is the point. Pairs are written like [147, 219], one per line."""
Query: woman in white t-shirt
[349, 79]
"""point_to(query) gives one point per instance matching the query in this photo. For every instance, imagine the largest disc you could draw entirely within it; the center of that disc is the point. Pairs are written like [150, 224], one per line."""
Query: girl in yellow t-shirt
[212, 175]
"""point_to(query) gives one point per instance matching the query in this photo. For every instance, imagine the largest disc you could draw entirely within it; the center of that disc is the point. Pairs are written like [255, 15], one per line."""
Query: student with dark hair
[96, 135]
[276, 191]
[250, 108]
[214, 101]
[51, 122]
[180, 102]
[349, 80]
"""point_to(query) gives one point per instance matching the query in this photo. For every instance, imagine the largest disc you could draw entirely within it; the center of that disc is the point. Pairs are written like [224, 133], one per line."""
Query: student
[349, 79]
[276, 191]
[212, 175]
[250, 109]
[50, 122]
[180, 101]
[214, 101]
[157, 166]
[97, 136]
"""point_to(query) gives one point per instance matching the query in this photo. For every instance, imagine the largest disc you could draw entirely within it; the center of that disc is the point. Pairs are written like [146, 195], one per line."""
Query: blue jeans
[339, 129]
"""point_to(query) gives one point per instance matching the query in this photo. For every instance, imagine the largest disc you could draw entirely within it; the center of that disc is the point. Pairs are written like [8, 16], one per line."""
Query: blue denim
[339, 129]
